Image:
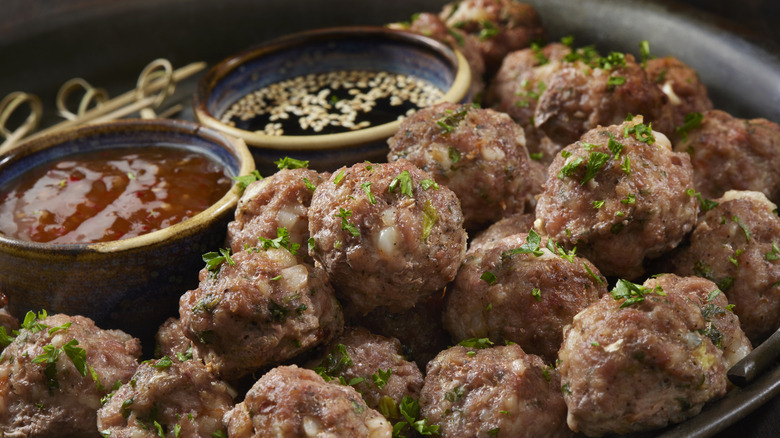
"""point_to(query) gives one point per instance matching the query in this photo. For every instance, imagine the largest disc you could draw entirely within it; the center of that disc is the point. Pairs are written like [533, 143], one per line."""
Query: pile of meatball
[587, 252]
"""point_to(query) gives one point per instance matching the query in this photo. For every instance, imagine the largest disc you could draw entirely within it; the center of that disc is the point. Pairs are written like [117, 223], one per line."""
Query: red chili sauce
[110, 194]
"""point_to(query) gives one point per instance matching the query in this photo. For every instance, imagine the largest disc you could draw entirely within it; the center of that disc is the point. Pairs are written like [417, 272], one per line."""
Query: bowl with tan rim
[130, 276]
[330, 96]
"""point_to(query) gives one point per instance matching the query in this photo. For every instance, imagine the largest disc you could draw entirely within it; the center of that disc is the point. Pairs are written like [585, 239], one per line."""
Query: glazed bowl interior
[321, 51]
[132, 283]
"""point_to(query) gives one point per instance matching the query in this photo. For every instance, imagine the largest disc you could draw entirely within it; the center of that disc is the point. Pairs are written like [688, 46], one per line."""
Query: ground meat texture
[419, 329]
[515, 89]
[170, 341]
[432, 26]
[264, 308]
[167, 398]
[294, 402]
[478, 153]
[279, 201]
[523, 298]
[729, 153]
[736, 245]
[618, 209]
[46, 393]
[684, 91]
[634, 367]
[508, 226]
[385, 235]
[385, 376]
[579, 97]
[500, 26]
[499, 391]
[7, 321]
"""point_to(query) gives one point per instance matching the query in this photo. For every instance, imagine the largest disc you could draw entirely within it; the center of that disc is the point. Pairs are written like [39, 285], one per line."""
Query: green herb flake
[450, 120]
[339, 176]
[402, 182]
[633, 293]
[570, 167]
[5, 338]
[596, 161]
[476, 343]
[244, 180]
[537, 294]
[592, 274]
[614, 146]
[488, 31]
[367, 188]
[215, 260]
[630, 199]
[345, 224]
[642, 132]
[488, 277]
[290, 163]
[704, 204]
[614, 81]
[428, 183]
[690, 122]
[626, 166]
[774, 254]
[453, 154]
[531, 246]
[381, 377]
[644, 52]
[309, 185]
[429, 219]
[598, 204]
[282, 240]
[744, 227]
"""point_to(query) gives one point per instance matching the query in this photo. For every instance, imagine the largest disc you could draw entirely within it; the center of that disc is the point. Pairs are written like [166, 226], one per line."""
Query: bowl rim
[457, 92]
[227, 202]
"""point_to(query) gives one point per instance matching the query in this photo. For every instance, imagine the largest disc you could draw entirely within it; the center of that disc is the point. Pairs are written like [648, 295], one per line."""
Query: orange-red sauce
[110, 194]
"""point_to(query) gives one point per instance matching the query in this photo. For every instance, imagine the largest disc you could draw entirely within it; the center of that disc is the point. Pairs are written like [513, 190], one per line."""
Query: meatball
[736, 245]
[53, 375]
[376, 363]
[498, 391]
[432, 26]
[639, 359]
[729, 153]
[386, 234]
[508, 226]
[167, 398]
[619, 196]
[680, 83]
[519, 291]
[500, 26]
[170, 341]
[477, 153]
[515, 89]
[294, 402]
[7, 321]
[279, 201]
[259, 307]
[581, 95]
[419, 329]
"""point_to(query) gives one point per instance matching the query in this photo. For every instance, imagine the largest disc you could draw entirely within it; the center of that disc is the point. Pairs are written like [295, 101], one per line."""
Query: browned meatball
[640, 359]
[581, 95]
[684, 91]
[375, 364]
[508, 226]
[729, 153]
[432, 26]
[478, 153]
[520, 291]
[386, 234]
[419, 329]
[501, 26]
[53, 375]
[167, 398]
[736, 245]
[619, 196]
[279, 201]
[259, 307]
[294, 402]
[498, 391]
[171, 342]
[515, 89]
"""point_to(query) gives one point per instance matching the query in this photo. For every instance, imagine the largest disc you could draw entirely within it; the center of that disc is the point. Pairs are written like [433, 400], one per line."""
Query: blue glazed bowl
[321, 51]
[132, 284]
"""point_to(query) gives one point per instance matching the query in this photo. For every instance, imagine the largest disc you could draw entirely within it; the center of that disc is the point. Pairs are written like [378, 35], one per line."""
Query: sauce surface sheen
[110, 194]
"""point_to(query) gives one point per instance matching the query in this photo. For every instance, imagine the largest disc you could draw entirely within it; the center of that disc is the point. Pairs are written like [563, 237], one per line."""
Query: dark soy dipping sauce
[110, 194]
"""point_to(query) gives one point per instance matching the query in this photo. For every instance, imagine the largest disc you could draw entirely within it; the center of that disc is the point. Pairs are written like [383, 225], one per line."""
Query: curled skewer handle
[160, 73]
[91, 95]
[8, 106]
[759, 360]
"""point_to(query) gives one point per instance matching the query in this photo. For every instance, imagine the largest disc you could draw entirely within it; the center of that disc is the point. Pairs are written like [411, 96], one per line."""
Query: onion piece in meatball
[522, 291]
[639, 359]
[54, 373]
[736, 244]
[386, 234]
[618, 195]
[294, 402]
[730, 153]
[257, 308]
[477, 153]
[499, 391]
[167, 398]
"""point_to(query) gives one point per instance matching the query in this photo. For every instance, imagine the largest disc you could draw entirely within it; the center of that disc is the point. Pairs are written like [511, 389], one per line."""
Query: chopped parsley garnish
[537, 294]
[339, 176]
[614, 146]
[488, 277]
[705, 204]
[596, 161]
[430, 217]
[5, 338]
[567, 40]
[428, 183]
[367, 188]
[744, 227]
[309, 184]
[244, 180]
[450, 120]
[691, 122]
[488, 31]
[643, 133]
[215, 260]
[570, 167]
[454, 394]
[629, 199]
[335, 363]
[291, 163]
[453, 154]
[614, 81]
[633, 293]
[163, 362]
[557, 249]
[531, 246]
[774, 254]
[592, 274]
[345, 224]
[410, 411]
[536, 156]
[403, 182]
[476, 343]
[598, 204]
[626, 166]
[282, 241]
[381, 377]
[539, 54]
[32, 321]
[644, 52]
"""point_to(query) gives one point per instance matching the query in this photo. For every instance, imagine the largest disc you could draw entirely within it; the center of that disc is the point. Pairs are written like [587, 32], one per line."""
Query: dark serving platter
[43, 43]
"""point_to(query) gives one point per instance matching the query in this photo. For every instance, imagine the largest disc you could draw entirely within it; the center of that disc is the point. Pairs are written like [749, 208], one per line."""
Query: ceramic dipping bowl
[132, 284]
[316, 53]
